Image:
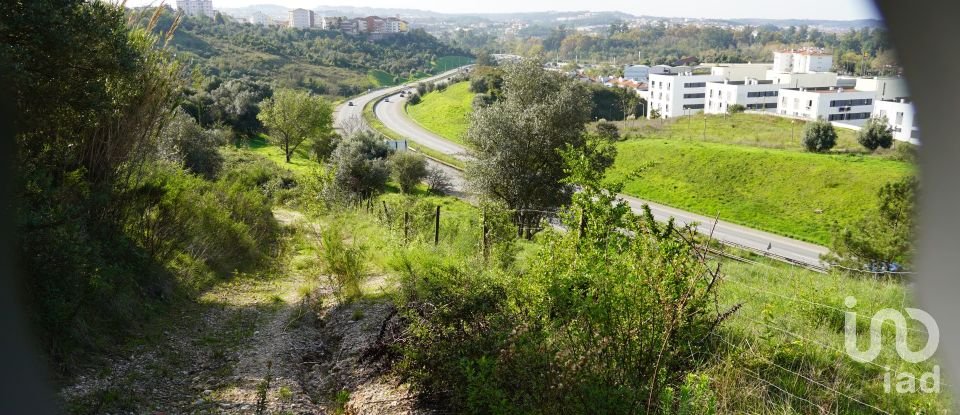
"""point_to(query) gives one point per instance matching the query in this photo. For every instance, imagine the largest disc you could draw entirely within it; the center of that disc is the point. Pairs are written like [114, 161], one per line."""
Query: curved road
[394, 117]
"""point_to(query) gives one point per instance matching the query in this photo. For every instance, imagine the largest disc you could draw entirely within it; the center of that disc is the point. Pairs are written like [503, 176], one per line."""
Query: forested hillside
[323, 61]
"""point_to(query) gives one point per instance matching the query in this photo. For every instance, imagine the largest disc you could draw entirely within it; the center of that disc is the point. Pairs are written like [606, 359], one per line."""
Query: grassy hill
[788, 192]
[446, 113]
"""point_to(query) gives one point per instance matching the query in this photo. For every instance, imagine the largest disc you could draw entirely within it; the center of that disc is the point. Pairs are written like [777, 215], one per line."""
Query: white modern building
[803, 80]
[884, 88]
[843, 105]
[259, 18]
[900, 117]
[802, 61]
[754, 94]
[739, 71]
[677, 95]
[639, 73]
[300, 18]
[196, 7]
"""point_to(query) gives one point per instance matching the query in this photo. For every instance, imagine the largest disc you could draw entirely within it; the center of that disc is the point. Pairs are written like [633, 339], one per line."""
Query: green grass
[779, 191]
[446, 63]
[753, 130]
[793, 320]
[445, 113]
[300, 163]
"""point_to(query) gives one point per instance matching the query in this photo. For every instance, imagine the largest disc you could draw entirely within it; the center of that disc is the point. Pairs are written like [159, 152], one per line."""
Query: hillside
[326, 62]
[446, 113]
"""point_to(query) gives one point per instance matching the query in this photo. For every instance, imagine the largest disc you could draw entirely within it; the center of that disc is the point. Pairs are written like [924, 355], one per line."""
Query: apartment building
[300, 18]
[845, 105]
[259, 18]
[738, 71]
[754, 94]
[679, 94]
[802, 61]
[883, 88]
[901, 118]
[196, 7]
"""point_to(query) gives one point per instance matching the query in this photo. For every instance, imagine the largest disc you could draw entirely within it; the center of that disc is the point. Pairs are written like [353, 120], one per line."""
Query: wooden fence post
[436, 228]
[386, 213]
[406, 228]
[483, 238]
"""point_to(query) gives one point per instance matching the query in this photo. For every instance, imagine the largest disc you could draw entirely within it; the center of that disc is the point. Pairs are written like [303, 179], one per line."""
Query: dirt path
[255, 345]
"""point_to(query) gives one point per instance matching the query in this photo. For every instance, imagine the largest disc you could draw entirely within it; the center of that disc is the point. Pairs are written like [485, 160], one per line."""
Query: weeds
[343, 262]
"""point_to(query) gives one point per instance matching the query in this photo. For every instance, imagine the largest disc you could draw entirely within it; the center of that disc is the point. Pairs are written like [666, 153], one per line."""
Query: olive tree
[292, 117]
[408, 169]
[516, 141]
[876, 134]
[819, 136]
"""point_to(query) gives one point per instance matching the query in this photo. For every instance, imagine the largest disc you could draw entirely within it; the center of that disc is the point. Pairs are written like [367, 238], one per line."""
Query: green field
[446, 113]
[788, 192]
[446, 63]
[754, 130]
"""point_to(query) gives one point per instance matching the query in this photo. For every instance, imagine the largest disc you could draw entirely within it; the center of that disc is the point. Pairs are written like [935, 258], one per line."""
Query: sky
[771, 9]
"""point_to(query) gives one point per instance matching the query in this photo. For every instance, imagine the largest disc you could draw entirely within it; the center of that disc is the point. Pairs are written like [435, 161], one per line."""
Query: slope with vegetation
[446, 112]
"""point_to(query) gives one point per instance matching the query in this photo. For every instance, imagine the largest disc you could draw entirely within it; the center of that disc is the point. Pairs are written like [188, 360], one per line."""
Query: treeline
[862, 51]
[266, 53]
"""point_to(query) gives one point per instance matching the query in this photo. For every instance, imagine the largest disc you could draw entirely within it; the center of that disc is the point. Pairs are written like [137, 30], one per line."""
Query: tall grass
[344, 262]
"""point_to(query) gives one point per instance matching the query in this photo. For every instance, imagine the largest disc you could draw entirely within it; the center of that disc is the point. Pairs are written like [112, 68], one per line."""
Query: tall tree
[516, 141]
[294, 116]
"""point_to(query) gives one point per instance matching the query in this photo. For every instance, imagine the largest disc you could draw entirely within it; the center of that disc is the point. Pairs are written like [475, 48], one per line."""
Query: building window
[759, 94]
[850, 102]
[693, 107]
[695, 85]
[687, 96]
[899, 118]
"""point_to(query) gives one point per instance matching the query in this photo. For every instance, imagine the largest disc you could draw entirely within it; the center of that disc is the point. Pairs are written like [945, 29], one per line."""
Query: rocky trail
[255, 345]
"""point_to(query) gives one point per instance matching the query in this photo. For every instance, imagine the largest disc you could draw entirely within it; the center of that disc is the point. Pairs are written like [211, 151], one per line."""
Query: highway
[394, 117]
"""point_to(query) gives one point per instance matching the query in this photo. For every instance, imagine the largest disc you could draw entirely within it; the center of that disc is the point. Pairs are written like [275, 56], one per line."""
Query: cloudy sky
[774, 9]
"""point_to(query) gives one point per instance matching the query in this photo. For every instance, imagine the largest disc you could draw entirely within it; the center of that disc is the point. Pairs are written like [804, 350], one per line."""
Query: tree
[184, 142]
[359, 164]
[885, 235]
[608, 131]
[295, 116]
[408, 169]
[516, 141]
[819, 136]
[876, 134]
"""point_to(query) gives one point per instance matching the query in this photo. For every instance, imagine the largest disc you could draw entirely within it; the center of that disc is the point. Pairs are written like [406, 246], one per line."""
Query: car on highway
[350, 103]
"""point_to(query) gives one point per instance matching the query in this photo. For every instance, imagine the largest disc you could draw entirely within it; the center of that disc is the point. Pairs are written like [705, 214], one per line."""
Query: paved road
[393, 117]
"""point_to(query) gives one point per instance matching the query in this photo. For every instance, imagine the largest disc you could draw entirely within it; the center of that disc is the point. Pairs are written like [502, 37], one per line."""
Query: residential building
[754, 94]
[802, 61]
[884, 88]
[680, 94]
[300, 18]
[741, 70]
[329, 22]
[901, 117]
[259, 18]
[395, 25]
[844, 105]
[639, 73]
[803, 79]
[196, 7]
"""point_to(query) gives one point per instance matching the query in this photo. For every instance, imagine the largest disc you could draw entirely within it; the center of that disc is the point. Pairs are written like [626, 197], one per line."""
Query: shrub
[608, 131]
[359, 165]
[323, 146]
[407, 169]
[478, 85]
[343, 263]
[441, 86]
[184, 142]
[736, 109]
[414, 99]
[437, 181]
[602, 321]
[819, 136]
[876, 134]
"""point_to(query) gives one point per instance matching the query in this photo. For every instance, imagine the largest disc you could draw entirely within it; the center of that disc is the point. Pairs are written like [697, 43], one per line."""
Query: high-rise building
[196, 7]
[300, 18]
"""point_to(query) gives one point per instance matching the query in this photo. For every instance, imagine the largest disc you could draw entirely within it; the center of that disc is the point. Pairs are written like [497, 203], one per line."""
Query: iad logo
[905, 382]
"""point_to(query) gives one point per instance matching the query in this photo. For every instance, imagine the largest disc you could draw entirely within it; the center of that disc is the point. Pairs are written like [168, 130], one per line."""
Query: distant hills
[541, 18]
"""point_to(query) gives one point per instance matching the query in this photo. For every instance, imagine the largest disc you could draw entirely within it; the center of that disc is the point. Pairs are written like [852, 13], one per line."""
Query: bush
[595, 324]
[819, 136]
[414, 99]
[343, 263]
[437, 181]
[608, 130]
[478, 85]
[323, 146]
[185, 142]
[407, 169]
[359, 165]
[736, 109]
[876, 134]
